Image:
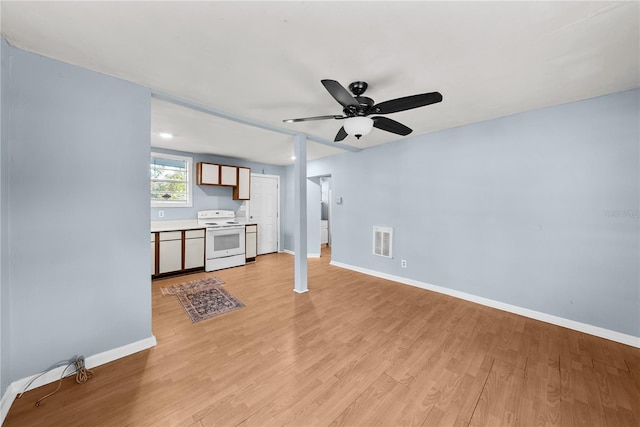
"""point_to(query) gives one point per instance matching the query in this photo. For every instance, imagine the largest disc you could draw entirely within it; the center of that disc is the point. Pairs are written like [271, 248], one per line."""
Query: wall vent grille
[382, 238]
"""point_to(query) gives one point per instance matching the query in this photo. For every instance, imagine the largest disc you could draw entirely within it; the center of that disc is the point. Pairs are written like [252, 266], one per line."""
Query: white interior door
[264, 210]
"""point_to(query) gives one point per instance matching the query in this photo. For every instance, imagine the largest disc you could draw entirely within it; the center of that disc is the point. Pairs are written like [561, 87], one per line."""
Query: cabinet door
[153, 253]
[251, 241]
[170, 251]
[242, 191]
[194, 253]
[228, 175]
[208, 174]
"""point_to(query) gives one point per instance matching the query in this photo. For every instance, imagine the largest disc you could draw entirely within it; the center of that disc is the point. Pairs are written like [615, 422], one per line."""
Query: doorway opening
[325, 216]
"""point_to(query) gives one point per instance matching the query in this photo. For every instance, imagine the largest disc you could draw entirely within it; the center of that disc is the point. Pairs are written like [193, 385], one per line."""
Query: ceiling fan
[358, 108]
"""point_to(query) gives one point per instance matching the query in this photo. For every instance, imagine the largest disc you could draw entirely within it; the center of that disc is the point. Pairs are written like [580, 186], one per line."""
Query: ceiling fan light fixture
[358, 126]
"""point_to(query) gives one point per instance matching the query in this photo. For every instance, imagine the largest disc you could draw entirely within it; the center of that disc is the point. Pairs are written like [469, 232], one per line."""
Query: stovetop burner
[218, 219]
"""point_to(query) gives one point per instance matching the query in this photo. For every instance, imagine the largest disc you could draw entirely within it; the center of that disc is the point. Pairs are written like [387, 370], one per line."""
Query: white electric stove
[225, 241]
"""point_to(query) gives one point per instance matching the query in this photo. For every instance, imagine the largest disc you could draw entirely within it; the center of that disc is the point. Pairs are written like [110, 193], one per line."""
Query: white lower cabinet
[177, 251]
[251, 242]
[193, 249]
[170, 252]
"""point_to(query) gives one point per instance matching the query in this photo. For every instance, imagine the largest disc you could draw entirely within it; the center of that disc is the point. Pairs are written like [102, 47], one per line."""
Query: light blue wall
[213, 197]
[4, 227]
[78, 184]
[538, 210]
[314, 197]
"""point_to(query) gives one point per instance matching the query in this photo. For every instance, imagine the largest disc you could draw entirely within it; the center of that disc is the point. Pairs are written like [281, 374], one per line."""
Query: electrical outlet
[160, 214]
[403, 263]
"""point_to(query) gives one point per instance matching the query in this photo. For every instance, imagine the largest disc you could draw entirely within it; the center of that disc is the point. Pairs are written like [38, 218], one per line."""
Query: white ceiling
[264, 60]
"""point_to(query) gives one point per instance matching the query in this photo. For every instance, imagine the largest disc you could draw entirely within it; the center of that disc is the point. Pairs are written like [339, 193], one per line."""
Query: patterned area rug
[193, 286]
[208, 303]
[203, 299]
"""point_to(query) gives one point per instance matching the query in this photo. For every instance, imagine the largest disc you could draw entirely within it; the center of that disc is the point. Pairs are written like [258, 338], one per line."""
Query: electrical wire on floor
[82, 375]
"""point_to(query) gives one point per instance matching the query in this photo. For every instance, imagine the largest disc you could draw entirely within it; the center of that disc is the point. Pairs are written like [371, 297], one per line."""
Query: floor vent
[382, 241]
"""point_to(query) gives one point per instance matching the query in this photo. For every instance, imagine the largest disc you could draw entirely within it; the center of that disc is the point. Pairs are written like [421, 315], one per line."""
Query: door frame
[278, 216]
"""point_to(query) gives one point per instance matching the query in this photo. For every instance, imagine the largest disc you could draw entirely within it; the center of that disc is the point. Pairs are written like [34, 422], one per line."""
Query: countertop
[185, 224]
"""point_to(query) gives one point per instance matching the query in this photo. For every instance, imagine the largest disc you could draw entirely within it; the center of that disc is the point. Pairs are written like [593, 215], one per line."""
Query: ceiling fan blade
[390, 125]
[407, 103]
[342, 134]
[340, 93]
[309, 119]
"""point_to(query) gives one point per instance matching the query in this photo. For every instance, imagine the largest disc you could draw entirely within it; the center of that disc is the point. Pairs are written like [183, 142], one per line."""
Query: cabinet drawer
[193, 234]
[251, 228]
[170, 235]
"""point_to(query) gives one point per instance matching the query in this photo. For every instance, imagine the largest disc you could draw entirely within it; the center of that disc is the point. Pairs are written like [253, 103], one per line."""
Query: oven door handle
[225, 231]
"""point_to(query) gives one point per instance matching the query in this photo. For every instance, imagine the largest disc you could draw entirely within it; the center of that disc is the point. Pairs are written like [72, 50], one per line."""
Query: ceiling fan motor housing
[361, 110]
[358, 88]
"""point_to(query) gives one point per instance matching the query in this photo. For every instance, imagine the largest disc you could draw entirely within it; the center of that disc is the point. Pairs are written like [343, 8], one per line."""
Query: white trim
[287, 251]
[532, 314]
[300, 292]
[17, 386]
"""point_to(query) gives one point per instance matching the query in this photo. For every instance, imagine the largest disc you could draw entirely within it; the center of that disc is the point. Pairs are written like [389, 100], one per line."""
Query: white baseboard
[16, 387]
[537, 315]
[287, 251]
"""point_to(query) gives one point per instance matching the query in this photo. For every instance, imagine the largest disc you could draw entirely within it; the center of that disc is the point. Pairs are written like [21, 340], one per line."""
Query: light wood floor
[355, 351]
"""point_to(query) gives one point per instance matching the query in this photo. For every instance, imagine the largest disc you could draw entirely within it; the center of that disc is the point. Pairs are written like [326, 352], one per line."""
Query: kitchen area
[216, 240]
[215, 230]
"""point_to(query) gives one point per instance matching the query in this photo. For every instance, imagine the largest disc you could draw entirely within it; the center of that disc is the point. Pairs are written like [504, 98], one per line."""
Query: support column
[300, 220]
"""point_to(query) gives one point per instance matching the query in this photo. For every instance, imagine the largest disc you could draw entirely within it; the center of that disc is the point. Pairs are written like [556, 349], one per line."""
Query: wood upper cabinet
[242, 191]
[229, 175]
[207, 174]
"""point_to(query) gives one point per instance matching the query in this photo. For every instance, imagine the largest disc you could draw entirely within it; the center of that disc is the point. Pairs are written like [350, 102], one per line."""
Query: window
[170, 180]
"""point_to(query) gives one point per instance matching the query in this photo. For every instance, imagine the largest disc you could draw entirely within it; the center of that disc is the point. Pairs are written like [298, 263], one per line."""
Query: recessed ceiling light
[293, 157]
[165, 135]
